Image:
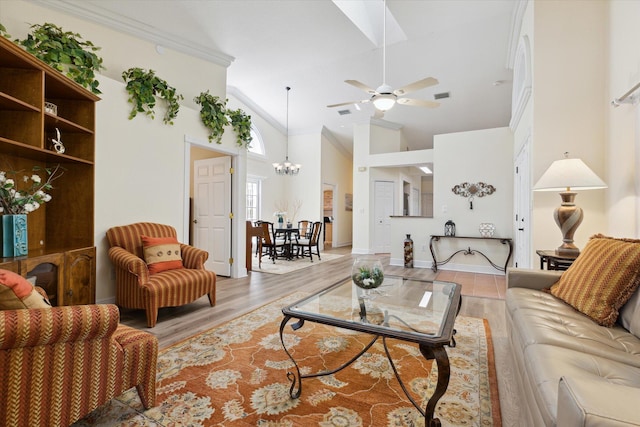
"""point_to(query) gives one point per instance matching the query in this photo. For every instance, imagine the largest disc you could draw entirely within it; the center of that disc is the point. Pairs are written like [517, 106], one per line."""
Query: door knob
[195, 221]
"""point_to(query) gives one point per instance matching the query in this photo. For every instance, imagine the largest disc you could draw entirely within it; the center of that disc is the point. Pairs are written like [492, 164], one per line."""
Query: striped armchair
[58, 364]
[137, 289]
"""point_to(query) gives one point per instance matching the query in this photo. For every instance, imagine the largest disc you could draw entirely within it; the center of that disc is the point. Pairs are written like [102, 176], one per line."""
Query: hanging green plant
[143, 86]
[241, 124]
[213, 113]
[3, 32]
[66, 52]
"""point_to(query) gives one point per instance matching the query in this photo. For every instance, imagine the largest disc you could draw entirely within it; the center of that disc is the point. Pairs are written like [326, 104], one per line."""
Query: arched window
[257, 145]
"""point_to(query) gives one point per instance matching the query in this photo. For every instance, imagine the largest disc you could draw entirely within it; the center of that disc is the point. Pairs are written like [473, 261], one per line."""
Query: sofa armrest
[46, 326]
[531, 279]
[596, 402]
[129, 262]
[193, 257]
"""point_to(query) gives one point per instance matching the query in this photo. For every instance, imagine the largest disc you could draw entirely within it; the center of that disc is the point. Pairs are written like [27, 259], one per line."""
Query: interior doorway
[209, 188]
[328, 213]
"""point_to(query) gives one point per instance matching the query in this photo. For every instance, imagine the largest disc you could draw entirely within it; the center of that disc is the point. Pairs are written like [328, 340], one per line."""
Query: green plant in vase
[367, 273]
[143, 87]
[213, 114]
[65, 51]
[241, 124]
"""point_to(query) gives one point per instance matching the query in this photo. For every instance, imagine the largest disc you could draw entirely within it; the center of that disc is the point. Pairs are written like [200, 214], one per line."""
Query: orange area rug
[236, 375]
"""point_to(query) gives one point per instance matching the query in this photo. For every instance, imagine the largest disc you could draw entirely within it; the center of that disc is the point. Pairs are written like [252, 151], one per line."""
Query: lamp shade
[384, 102]
[569, 174]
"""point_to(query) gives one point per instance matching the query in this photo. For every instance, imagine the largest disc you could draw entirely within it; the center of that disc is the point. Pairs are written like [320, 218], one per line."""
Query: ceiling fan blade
[417, 102]
[361, 86]
[364, 101]
[412, 87]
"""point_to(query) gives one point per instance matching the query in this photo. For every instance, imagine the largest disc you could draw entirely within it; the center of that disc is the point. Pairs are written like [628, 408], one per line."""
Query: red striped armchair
[138, 289]
[58, 364]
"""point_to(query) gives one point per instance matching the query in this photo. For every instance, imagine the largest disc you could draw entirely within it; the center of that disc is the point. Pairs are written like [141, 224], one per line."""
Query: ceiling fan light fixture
[384, 102]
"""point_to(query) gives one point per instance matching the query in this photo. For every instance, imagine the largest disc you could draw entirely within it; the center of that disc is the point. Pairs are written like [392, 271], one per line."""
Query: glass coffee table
[418, 311]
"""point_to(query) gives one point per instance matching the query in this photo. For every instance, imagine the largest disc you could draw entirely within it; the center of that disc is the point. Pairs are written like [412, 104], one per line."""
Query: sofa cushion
[546, 364]
[161, 253]
[602, 278]
[539, 318]
[16, 292]
[630, 314]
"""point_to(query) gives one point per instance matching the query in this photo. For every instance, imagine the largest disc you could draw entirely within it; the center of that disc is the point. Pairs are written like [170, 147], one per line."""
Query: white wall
[476, 156]
[569, 108]
[140, 163]
[623, 133]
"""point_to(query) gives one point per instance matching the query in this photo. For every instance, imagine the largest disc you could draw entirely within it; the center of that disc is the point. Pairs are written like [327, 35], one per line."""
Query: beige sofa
[570, 370]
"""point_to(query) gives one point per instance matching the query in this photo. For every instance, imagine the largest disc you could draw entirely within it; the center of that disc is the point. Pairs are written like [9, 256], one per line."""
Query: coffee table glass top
[414, 310]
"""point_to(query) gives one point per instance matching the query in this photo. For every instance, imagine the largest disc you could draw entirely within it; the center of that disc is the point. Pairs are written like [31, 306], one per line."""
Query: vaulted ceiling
[313, 47]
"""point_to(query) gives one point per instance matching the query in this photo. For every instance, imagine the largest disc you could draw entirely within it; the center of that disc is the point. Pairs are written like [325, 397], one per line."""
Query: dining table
[288, 232]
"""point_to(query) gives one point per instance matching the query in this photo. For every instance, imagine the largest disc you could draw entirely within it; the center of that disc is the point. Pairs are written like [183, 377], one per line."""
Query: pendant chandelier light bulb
[286, 167]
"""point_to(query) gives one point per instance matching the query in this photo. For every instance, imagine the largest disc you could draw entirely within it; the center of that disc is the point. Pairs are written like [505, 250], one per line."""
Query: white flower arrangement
[279, 214]
[26, 200]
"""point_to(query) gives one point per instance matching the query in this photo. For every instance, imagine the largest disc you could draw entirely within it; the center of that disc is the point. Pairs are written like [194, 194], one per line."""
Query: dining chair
[269, 244]
[304, 228]
[305, 246]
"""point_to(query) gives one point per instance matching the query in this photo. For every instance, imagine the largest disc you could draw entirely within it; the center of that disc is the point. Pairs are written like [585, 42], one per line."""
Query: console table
[469, 251]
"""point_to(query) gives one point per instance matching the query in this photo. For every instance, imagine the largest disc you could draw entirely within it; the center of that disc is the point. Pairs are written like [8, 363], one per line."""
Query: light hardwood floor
[482, 297]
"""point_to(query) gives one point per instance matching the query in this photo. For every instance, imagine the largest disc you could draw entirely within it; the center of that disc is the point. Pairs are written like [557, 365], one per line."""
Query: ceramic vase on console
[408, 252]
[487, 229]
[14, 235]
[280, 221]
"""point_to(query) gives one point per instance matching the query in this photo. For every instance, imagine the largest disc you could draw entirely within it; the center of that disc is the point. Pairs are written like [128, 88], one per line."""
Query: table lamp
[566, 175]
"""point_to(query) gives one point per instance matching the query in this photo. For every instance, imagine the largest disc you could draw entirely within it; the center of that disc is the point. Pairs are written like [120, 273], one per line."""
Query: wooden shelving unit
[60, 232]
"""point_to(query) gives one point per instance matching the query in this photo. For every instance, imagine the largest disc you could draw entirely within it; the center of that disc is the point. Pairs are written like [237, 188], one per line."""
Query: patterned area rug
[235, 375]
[283, 266]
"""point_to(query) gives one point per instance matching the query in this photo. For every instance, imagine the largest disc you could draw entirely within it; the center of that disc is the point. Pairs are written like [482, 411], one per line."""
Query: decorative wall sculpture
[470, 190]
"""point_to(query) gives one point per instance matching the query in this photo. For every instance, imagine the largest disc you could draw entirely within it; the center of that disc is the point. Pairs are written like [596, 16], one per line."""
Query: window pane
[253, 199]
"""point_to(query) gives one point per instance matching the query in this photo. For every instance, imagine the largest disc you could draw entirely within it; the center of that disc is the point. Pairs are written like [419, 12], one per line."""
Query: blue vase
[14, 235]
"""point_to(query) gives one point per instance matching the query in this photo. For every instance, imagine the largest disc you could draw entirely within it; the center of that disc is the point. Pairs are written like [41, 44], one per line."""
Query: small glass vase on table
[367, 274]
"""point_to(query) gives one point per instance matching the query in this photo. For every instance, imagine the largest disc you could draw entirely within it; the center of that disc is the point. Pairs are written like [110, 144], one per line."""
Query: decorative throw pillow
[602, 278]
[161, 253]
[16, 292]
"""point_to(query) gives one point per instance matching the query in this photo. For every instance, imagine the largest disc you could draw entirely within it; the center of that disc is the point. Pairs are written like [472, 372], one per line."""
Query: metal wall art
[471, 191]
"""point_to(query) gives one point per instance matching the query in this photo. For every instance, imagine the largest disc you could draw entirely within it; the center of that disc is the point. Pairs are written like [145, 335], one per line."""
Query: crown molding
[516, 28]
[385, 124]
[329, 136]
[240, 96]
[135, 28]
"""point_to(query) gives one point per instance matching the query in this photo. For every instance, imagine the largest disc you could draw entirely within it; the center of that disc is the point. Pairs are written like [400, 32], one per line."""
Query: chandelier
[286, 167]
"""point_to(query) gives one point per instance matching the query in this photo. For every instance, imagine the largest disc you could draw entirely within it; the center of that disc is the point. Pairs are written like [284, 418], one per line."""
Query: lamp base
[568, 216]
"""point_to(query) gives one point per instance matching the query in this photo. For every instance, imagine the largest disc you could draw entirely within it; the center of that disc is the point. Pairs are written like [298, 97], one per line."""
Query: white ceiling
[311, 46]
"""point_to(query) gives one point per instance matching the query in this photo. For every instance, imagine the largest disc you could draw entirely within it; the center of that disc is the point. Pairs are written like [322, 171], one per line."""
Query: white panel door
[212, 209]
[383, 209]
[522, 198]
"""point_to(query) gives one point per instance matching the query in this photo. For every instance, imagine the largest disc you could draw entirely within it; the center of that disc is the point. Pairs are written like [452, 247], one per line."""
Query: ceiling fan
[385, 97]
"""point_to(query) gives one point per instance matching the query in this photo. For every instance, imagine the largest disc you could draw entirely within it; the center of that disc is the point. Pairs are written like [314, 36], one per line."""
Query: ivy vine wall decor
[65, 51]
[68, 53]
[143, 87]
[470, 191]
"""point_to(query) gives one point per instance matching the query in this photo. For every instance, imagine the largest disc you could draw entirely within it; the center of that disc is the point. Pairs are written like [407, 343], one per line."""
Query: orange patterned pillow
[16, 292]
[602, 278]
[161, 253]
